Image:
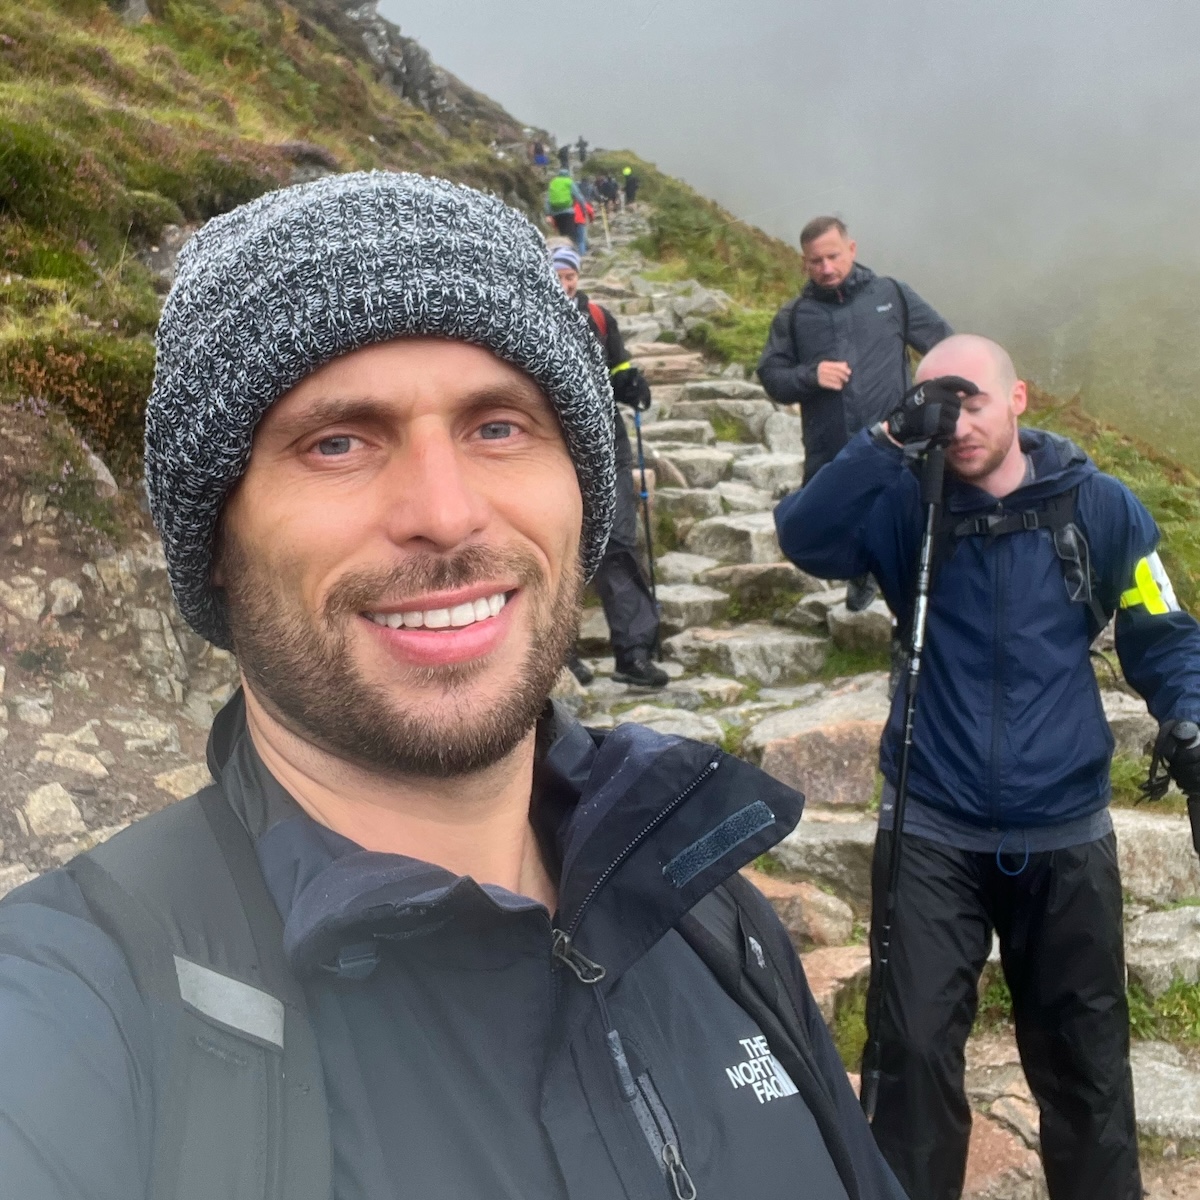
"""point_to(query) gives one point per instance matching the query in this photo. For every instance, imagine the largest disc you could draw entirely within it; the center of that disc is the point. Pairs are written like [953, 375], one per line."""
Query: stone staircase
[747, 642]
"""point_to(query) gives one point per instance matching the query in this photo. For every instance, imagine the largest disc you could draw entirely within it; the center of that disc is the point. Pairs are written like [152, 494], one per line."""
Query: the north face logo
[761, 1072]
[883, 308]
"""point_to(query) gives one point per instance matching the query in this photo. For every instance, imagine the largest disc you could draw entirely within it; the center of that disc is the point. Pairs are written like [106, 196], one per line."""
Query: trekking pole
[1185, 736]
[604, 218]
[931, 498]
[645, 497]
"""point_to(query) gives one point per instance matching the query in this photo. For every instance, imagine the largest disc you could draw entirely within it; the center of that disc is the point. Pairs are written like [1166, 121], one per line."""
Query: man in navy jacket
[1007, 827]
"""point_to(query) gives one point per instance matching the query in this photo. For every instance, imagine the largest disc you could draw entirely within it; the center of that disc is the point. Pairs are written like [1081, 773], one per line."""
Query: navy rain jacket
[862, 323]
[461, 1059]
[1010, 731]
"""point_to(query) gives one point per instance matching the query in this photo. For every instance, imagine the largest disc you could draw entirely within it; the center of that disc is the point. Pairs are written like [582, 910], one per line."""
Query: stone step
[868, 629]
[678, 368]
[761, 589]
[827, 749]
[676, 721]
[1161, 947]
[737, 538]
[777, 474]
[725, 389]
[744, 419]
[593, 632]
[833, 850]
[783, 434]
[641, 330]
[753, 651]
[1166, 1092]
[812, 612]
[693, 503]
[1134, 730]
[687, 605]
[701, 466]
[1158, 862]
[698, 433]
[678, 567]
[740, 497]
[835, 973]
[637, 350]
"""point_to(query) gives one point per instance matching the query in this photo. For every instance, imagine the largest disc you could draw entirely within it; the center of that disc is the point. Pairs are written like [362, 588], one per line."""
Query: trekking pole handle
[933, 473]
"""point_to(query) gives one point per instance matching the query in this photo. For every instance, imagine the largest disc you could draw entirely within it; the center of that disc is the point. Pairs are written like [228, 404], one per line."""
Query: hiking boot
[860, 591]
[580, 670]
[638, 670]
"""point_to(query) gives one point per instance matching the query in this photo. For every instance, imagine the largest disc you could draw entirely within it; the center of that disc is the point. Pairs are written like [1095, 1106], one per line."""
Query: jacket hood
[640, 826]
[858, 278]
[1058, 465]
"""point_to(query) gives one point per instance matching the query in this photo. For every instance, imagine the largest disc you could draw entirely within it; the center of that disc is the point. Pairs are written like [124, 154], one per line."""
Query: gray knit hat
[268, 293]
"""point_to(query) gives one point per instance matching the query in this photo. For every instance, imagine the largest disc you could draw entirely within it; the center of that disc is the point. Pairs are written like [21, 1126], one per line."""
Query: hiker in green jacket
[564, 204]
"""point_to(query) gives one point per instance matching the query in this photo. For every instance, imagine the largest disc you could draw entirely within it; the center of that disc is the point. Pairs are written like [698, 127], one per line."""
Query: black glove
[630, 388]
[929, 411]
[1178, 745]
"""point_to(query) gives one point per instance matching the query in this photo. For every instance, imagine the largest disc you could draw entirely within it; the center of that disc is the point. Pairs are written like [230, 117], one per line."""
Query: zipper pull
[583, 968]
[681, 1181]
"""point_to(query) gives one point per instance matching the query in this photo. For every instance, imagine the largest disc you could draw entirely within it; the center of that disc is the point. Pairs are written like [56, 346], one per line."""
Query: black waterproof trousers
[1058, 922]
[620, 582]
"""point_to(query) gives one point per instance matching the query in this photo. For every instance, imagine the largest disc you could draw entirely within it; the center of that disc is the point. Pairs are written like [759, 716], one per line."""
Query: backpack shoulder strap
[598, 316]
[239, 1088]
[746, 954]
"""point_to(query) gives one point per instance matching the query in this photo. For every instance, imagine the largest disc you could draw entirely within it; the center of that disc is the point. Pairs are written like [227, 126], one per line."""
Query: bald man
[1007, 827]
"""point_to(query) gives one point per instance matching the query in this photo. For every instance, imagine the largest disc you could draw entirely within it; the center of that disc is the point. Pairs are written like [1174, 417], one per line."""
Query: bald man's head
[972, 357]
[986, 445]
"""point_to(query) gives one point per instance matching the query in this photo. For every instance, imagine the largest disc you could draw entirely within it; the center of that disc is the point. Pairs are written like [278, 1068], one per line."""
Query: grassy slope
[108, 133]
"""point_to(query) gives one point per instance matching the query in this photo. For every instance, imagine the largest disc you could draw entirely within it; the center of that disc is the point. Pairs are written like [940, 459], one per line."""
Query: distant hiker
[620, 582]
[539, 155]
[1007, 827]
[839, 350]
[564, 156]
[632, 183]
[424, 935]
[567, 208]
[582, 147]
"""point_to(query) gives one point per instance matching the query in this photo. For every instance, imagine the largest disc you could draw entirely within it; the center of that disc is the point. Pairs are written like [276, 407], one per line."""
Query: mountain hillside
[123, 124]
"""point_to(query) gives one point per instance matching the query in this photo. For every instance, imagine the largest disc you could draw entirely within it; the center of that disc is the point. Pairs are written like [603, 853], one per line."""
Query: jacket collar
[1058, 466]
[641, 826]
[858, 279]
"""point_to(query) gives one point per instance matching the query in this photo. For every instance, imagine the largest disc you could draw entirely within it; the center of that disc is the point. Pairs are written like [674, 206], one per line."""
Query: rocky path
[106, 697]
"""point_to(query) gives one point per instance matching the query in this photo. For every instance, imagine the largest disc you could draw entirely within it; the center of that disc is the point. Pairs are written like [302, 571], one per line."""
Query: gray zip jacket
[866, 322]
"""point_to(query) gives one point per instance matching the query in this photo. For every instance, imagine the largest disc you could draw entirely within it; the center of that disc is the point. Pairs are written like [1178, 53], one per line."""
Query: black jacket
[866, 322]
[461, 1058]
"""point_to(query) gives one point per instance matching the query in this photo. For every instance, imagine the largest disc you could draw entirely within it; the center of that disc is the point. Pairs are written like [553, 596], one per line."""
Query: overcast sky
[961, 139]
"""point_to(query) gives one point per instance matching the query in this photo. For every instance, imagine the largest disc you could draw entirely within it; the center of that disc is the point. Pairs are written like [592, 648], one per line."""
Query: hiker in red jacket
[624, 592]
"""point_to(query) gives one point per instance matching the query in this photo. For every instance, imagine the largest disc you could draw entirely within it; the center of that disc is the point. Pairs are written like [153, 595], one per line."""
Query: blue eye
[331, 446]
[494, 430]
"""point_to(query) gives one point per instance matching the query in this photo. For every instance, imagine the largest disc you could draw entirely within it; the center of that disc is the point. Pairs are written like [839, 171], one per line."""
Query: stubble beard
[996, 455]
[303, 671]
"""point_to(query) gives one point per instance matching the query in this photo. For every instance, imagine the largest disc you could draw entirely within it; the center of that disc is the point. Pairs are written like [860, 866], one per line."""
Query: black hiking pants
[620, 582]
[1058, 922]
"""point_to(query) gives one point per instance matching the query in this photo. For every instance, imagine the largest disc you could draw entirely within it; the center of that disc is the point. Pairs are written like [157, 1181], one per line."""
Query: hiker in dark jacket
[1007, 826]
[425, 935]
[621, 584]
[840, 350]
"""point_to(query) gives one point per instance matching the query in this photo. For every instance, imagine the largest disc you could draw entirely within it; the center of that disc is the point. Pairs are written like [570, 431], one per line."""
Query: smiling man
[425, 935]
[1007, 828]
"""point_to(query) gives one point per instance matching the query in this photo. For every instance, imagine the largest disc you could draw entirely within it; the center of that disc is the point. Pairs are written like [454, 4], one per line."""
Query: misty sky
[959, 138]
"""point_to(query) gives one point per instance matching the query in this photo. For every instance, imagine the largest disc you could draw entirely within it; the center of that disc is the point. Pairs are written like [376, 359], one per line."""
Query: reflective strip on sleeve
[1151, 587]
[625, 366]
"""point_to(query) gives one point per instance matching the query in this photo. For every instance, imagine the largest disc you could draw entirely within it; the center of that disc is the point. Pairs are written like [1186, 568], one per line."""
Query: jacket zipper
[1003, 559]
[662, 814]
[652, 1116]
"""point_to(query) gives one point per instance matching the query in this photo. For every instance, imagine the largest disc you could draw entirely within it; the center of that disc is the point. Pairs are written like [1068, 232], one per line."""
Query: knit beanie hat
[269, 292]
[564, 256]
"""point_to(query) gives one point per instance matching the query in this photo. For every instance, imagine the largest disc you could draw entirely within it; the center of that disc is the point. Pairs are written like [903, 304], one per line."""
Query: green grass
[850, 1028]
[841, 662]
[1172, 1017]
[734, 337]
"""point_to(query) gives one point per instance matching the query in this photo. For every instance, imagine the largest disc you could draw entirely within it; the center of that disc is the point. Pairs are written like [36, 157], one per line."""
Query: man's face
[828, 259]
[987, 424]
[569, 279]
[401, 558]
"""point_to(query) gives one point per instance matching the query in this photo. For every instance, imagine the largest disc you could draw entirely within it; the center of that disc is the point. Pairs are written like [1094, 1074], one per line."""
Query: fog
[1031, 168]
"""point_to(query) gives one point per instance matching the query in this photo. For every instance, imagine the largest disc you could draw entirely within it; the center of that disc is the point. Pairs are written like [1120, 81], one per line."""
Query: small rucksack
[240, 1108]
[559, 193]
